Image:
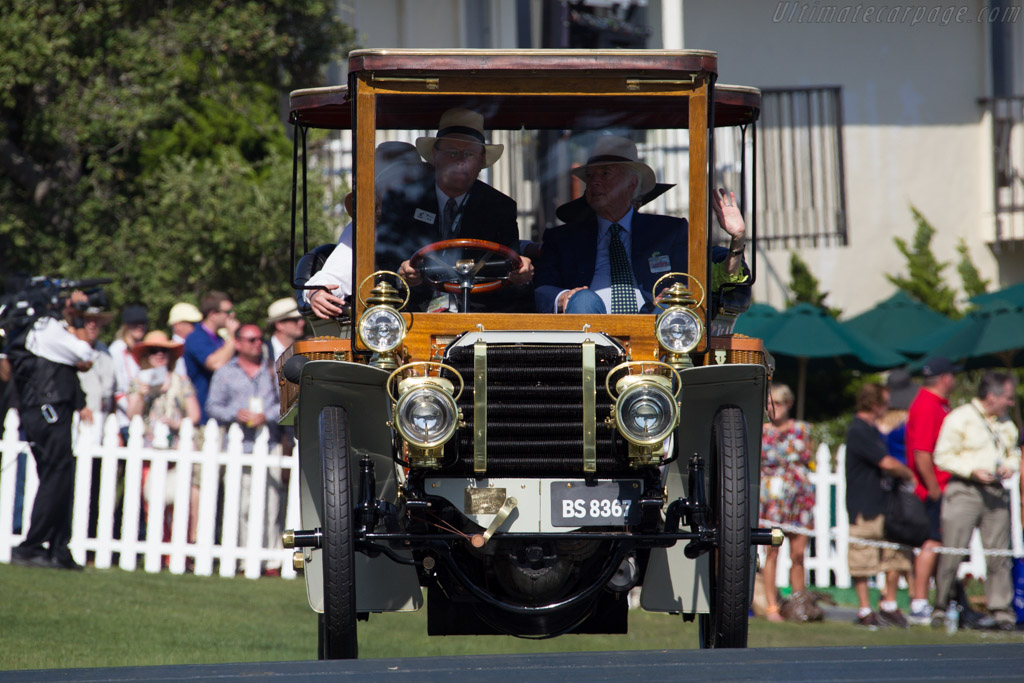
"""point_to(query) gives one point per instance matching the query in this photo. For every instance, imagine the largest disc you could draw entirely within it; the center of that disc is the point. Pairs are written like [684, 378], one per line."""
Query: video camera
[40, 296]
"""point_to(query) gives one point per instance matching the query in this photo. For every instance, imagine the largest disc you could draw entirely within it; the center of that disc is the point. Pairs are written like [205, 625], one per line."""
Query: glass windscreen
[466, 188]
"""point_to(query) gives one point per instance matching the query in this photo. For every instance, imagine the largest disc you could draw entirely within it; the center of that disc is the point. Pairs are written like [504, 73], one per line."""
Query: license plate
[607, 503]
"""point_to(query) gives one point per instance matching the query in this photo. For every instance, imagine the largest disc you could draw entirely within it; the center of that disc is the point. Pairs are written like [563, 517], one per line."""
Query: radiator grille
[535, 412]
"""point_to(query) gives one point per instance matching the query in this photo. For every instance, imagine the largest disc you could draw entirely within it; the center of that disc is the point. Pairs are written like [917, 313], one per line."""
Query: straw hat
[577, 209]
[612, 149]
[282, 309]
[460, 124]
[183, 312]
[157, 340]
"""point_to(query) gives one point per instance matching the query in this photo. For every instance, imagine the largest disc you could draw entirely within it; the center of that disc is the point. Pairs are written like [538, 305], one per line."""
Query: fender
[381, 584]
[672, 582]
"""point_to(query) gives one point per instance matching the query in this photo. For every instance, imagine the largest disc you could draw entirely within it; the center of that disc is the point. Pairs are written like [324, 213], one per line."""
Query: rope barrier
[942, 550]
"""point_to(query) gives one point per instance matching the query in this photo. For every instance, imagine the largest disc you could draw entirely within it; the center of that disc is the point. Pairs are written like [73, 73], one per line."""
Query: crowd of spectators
[210, 366]
[905, 435]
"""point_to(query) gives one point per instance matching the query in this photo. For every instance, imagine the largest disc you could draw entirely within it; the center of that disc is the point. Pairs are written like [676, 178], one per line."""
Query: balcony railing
[1006, 115]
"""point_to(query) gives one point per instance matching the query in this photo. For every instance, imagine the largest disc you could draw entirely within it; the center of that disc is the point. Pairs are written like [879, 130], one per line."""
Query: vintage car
[530, 470]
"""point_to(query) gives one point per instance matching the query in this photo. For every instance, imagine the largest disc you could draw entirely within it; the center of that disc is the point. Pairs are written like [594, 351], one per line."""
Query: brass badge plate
[484, 501]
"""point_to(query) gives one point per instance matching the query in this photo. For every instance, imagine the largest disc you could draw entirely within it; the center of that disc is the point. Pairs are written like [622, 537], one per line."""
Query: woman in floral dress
[787, 494]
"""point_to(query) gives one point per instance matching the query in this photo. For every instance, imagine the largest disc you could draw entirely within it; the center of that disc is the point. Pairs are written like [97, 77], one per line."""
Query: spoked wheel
[338, 622]
[726, 625]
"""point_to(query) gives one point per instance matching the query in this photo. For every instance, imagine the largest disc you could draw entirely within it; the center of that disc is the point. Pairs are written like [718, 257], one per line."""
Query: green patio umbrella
[757, 320]
[992, 335]
[1014, 294]
[897, 322]
[807, 333]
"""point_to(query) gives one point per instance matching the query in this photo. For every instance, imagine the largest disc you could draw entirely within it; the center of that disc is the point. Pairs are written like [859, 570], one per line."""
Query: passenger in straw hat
[608, 262]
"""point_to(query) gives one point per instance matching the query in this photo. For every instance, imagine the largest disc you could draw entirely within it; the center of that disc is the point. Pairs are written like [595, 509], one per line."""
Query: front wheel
[338, 622]
[726, 625]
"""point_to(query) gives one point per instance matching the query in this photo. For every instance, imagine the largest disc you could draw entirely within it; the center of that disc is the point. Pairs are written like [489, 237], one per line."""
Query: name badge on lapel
[659, 263]
[425, 216]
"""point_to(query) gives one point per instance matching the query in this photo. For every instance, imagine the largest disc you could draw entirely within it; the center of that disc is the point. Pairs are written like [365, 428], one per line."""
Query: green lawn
[55, 619]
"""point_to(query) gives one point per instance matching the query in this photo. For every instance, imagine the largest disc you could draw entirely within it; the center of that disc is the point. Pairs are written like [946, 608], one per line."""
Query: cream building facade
[877, 108]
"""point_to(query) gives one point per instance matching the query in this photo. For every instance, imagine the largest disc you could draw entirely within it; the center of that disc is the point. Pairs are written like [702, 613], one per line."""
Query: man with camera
[45, 359]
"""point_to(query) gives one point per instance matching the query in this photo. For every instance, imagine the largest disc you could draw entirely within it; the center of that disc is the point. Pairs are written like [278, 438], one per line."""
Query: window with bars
[800, 187]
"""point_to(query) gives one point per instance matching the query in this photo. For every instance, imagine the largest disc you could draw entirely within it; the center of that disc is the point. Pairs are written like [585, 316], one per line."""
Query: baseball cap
[938, 365]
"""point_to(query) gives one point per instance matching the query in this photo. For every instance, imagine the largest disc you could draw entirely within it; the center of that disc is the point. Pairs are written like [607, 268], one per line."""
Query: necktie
[623, 297]
[450, 210]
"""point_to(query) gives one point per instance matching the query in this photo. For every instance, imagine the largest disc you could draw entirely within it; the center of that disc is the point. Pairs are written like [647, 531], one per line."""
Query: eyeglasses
[456, 154]
[250, 339]
[230, 311]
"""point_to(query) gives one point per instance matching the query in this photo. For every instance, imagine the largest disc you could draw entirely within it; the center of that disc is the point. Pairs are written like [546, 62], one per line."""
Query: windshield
[494, 169]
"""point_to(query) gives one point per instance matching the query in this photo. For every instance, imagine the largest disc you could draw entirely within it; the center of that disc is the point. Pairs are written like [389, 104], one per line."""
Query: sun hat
[157, 340]
[183, 312]
[612, 149]
[459, 124]
[282, 309]
[902, 389]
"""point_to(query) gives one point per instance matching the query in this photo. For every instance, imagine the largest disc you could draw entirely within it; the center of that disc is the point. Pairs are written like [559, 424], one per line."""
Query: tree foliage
[974, 284]
[805, 287]
[924, 279]
[143, 141]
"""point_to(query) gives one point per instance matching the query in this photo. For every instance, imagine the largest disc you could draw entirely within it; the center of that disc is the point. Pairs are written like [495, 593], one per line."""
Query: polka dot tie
[623, 296]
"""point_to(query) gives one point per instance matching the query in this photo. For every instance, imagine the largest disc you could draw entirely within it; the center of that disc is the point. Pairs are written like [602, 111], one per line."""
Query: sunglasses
[250, 339]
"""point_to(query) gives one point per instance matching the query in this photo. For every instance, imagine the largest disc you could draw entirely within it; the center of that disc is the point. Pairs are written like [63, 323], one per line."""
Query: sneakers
[870, 620]
[894, 618]
[920, 617]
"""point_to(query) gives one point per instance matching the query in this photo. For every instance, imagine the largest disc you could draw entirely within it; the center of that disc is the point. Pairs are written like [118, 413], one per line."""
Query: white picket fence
[828, 557]
[120, 483]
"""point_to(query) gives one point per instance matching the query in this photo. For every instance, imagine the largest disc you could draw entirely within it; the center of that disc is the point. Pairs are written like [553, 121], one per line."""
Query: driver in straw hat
[449, 203]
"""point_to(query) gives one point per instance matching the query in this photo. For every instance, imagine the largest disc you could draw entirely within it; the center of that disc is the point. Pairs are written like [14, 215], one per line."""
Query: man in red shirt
[927, 411]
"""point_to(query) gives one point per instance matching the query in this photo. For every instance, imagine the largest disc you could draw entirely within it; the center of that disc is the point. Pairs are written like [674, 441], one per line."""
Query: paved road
[910, 663]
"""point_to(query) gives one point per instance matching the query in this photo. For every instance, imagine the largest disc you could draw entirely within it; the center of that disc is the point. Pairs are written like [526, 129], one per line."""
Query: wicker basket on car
[735, 348]
[317, 348]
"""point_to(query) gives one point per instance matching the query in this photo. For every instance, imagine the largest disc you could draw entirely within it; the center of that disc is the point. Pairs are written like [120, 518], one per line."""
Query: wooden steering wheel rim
[466, 243]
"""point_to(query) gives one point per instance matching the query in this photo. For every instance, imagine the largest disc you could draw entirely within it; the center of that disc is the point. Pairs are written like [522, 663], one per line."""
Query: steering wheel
[466, 266]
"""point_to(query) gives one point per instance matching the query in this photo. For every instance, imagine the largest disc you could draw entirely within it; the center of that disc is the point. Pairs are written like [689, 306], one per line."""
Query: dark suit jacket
[411, 219]
[569, 255]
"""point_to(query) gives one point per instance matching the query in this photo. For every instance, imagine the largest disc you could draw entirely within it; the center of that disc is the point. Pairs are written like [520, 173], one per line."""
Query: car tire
[731, 564]
[338, 630]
